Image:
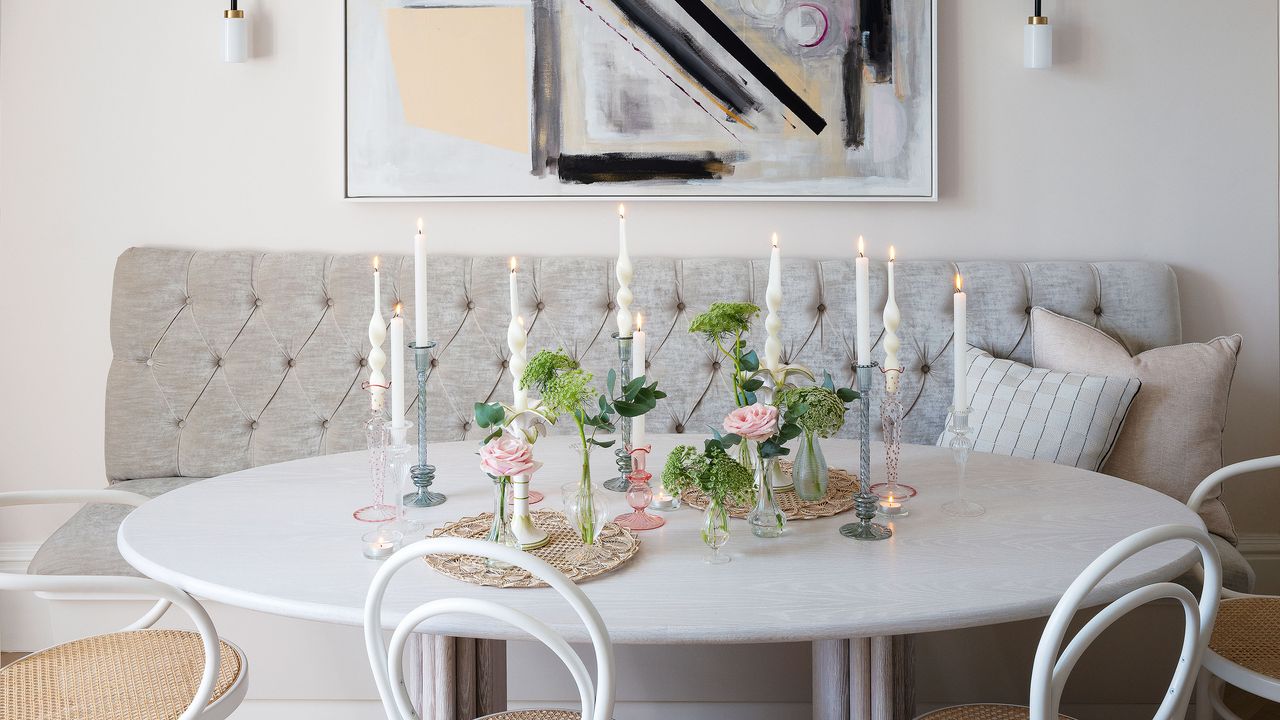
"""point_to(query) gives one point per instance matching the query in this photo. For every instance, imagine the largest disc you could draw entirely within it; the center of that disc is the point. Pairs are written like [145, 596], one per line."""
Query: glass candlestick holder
[424, 473]
[400, 458]
[960, 446]
[378, 441]
[893, 494]
[865, 502]
[622, 481]
[639, 495]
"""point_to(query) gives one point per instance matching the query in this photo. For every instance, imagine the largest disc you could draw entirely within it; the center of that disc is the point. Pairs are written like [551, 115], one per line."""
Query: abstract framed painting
[707, 99]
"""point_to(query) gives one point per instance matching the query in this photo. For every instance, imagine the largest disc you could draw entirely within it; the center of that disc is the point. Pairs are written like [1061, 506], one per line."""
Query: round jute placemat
[617, 545]
[841, 487]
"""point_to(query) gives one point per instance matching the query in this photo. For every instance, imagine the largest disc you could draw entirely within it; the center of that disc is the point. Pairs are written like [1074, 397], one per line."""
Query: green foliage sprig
[712, 471]
[724, 324]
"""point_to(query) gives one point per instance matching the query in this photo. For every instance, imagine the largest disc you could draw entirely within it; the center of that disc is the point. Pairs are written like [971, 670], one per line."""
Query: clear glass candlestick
[865, 502]
[621, 482]
[893, 494]
[378, 441]
[960, 446]
[423, 473]
[400, 459]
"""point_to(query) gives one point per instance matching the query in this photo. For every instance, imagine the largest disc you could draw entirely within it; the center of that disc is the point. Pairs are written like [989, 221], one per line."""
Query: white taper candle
[773, 301]
[862, 298]
[517, 342]
[397, 371]
[892, 318]
[960, 310]
[377, 335]
[420, 287]
[637, 369]
[624, 272]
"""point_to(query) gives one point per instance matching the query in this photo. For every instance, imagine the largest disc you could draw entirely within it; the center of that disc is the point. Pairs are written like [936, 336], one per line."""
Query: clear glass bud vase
[588, 512]
[500, 528]
[809, 473]
[715, 532]
[766, 518]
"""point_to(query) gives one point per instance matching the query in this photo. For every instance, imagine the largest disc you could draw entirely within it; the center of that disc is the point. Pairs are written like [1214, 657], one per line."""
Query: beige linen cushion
[1172, 438]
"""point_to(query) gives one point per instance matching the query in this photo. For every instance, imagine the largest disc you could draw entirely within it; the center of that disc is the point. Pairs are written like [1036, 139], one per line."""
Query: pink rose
[507, 456]
[755, 422]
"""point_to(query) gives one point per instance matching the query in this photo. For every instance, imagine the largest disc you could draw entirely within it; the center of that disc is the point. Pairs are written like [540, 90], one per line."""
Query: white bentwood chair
[387, 660]
[137, 672]
[1051, 668]
[1245, 647]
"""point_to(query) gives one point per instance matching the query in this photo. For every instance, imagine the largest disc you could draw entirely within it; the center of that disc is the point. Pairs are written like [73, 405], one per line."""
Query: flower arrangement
[723, 325]
[566, 389]
[825, 406]
[712, 471]
[505, 456]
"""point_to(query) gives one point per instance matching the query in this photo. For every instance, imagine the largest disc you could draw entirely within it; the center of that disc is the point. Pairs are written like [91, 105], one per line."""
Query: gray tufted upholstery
[228, 360]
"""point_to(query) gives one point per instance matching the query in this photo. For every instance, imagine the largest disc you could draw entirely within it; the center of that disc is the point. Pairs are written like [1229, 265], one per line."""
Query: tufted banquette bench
[228, 360]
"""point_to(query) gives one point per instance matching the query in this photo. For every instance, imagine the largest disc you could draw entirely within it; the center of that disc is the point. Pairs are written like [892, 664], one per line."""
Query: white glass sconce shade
[235, 37]
[1037, 43]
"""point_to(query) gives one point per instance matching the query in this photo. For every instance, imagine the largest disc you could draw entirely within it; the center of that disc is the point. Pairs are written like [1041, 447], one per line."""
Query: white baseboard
[15, 557]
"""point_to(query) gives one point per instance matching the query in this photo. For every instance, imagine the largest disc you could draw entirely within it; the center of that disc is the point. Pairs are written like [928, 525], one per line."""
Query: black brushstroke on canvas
[875, 25]
[545, 139]
[855, 124]
[687, 53]
[634, 167]
[729, 40]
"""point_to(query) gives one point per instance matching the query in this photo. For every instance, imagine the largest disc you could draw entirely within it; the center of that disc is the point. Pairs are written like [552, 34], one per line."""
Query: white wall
[1154, 137]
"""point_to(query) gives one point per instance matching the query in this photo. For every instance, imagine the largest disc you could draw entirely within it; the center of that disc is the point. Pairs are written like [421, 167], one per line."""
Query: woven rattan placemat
[617, 545]
[841, 487]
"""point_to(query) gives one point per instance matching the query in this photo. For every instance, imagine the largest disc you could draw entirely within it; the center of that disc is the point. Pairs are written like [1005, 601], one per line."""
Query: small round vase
[809, 473]
[715, 532]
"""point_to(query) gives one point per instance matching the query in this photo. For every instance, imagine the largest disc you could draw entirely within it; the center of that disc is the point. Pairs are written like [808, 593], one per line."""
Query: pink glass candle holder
[639, 494]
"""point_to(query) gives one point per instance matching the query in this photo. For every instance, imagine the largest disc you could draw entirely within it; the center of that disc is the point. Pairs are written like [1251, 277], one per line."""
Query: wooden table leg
[880, 683]
[452, 678]
[831, 680]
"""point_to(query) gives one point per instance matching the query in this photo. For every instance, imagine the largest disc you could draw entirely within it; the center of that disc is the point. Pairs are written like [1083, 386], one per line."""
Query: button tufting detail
[364, 362]
[292, 362]
[822, 307]
[219, 362]
[679, 428]
[471, 305]
[257, 302]
[715, 365]
[924, 369]
[610, 306]
[182, 424]
[253, 425]
[680, 306]
[150, 362]
[328, 302]
[542, 306]
[324, 424]
[506, 364]
[186, 301]
[435, 362]
[1097, 311]
[1026, 310]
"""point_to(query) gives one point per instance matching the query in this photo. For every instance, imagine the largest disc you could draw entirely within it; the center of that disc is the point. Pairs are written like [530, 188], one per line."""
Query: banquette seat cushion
[227, 360]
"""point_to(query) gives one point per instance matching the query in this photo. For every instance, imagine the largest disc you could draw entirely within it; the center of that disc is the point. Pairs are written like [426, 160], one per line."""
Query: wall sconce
[1037, 41]
[235, 35]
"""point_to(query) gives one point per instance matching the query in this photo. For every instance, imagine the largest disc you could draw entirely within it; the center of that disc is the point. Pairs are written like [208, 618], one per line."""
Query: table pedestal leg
[863, 679]
[456, 678]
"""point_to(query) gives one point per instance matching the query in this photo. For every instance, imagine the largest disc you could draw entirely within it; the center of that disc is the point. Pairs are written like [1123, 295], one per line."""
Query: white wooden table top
[280, 539]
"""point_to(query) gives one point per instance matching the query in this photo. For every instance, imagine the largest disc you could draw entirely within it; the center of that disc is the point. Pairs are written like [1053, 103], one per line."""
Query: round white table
[281, 539]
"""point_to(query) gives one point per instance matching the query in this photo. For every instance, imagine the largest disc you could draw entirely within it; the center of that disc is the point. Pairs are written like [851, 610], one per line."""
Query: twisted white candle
[624, 272]
[517, 342]
[892, 318]
[377, 335]
[773, 300]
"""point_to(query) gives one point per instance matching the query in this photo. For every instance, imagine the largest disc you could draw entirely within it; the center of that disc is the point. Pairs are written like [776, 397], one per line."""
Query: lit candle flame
[862, 246]
[419, 226]
[959, 283]
[376, 261]
[622, 211]
[514, 265]
[639, 321]
[775, 239]
[893, 254]
[396, 311]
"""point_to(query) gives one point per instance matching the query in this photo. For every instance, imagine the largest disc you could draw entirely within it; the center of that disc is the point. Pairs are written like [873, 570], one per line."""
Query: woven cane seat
[535, 715]
[1247, 633]
[982, 712]
[135, 675]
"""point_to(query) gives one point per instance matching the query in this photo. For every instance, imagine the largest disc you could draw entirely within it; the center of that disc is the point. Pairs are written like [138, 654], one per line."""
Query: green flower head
[564, 385]
[717, 475]
[824, 413]
[722, 319]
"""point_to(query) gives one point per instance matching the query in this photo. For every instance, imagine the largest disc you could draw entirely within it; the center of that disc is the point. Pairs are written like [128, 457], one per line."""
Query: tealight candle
[382, 543]
[892, 507]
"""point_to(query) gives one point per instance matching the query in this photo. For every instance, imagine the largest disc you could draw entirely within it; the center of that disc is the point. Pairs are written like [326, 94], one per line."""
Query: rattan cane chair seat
[135, 675]
[535, 715]
[1247, 633]
[982, 712]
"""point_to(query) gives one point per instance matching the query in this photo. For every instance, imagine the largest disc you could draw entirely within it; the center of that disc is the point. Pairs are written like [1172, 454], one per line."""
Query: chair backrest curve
[385, 661]
[1049, 674]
